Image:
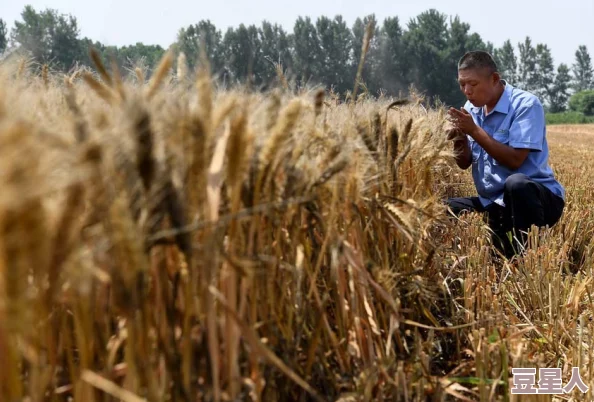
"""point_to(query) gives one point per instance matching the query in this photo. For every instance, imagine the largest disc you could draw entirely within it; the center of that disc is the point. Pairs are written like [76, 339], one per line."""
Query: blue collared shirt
[518, 120]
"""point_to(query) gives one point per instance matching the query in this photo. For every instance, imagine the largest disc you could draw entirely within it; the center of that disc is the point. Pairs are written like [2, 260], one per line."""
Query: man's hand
[462, 152]
[462, 121]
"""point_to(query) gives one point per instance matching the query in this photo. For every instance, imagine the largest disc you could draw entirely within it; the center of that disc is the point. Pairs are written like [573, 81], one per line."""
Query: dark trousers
[527, 203]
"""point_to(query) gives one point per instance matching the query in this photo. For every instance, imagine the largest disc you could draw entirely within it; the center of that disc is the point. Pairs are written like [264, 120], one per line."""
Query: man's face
[477, 85]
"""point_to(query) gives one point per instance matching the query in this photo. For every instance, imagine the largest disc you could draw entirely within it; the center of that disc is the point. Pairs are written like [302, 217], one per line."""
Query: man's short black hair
[477, 60]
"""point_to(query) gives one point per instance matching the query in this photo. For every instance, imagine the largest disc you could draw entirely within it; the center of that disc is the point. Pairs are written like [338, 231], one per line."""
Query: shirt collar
[502, 105]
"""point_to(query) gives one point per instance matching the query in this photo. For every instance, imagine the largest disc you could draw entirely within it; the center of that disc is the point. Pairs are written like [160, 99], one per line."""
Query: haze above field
[563, 26]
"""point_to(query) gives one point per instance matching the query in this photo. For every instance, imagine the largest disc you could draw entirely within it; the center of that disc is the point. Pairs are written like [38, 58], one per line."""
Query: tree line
[422, 54]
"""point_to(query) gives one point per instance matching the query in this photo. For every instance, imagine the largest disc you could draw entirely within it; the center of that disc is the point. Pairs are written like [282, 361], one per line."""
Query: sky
[563, 25]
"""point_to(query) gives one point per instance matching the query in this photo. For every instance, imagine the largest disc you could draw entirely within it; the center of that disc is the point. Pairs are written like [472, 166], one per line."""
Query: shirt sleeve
[528, 127]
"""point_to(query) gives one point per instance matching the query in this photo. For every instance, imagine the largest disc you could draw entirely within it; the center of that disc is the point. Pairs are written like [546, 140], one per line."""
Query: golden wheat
[174, 241]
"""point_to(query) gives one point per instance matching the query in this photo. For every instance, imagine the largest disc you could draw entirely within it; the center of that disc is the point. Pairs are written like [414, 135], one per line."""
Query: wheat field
[165, 240]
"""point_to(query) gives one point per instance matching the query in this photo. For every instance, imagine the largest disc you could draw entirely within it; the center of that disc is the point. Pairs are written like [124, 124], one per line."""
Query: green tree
[433, 48]
[460, 40]
[335, 40]
[86, 44]
[544, 73]
[243, 55]
[426, 43]
[65, 43]
[527, 65]
[126, 57]
[190, 39]
[507, 62]
[583, 74]
[559, 95]
[308, 55]
[49, 37]
[32, 34]
[106, 53]
[3, 36]
[276, 48]
[149, 55]
[392, 68]
[582, 102]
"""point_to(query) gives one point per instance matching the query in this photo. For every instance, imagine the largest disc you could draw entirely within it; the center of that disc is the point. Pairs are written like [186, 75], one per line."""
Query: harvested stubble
[169, 241]
[536, 311]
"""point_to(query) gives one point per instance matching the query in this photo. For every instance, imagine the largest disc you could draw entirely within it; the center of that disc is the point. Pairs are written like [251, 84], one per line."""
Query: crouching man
[501, 133]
